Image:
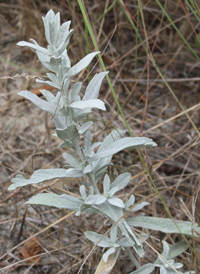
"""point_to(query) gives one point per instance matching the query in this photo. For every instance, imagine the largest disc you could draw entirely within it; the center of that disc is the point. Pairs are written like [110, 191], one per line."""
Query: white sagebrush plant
[69, 111]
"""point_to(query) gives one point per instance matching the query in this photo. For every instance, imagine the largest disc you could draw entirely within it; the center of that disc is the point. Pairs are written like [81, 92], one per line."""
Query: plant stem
[132, 257]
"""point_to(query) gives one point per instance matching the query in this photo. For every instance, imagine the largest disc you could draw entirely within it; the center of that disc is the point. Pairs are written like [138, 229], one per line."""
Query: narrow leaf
[33, 46]
[44, 105]
[145, 269]
[71, 160]
[95, 103]
[125, 143]
[87, 140]
[85, 127]
[116, 202]
[52, 199]
[48, 95]
[95, 237]
[175, 250]
[42, 175]
[82, 64]
[95, 199]
[92, 90]
[106, 184]
[121, 181]
[140, 206]
[68, 133]
[164, 225]
[87, 169]
[75, 91]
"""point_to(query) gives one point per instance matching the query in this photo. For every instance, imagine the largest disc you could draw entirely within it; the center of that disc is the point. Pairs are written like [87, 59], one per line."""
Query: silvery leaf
[68, 133]
[95, 237]
[46, 28]
[175, 250]
[51, 50]
[87, 169]
[137, 240]
[53, 78]
[87, 140]
[61, 48]
[145, 269]
[106, 184]
[75, 172]
[88, 153]
[102, 169]
[95, 199]
[49, 107]
[121, 181]
[55, 62]
[113, 234]
[49, 83]
[108, 253]
[165, 252]
[92, 90]
[86, 209]
[115, 213]
[96, 145]
[82, 113]
[112, 192]
[125, 143]
[45, 60]
[66, 145]
[65, 64]
[66, 86]
[63, 32]
[83, 192]
[82, 64]
[116, 202]
[95, 103]
[130, 202]
[52, 33]
[48, 95]
[61, 121]
[85, 127]
[164, 271]
[164, 225]
[111, 138]
[42, 175]
[71, 160]
[48, 18]
[33, 46]
[178, 265]
[74, 91]
[57, 21]
[140, 206]
[124, 242]
[99, 166]
[51, 199]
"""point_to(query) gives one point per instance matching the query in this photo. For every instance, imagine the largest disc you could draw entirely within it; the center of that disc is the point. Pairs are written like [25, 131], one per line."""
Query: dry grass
[27, 143]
